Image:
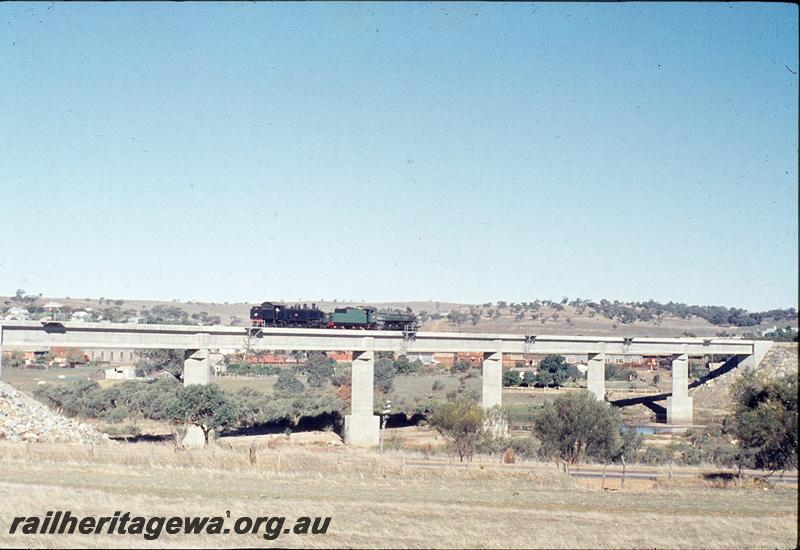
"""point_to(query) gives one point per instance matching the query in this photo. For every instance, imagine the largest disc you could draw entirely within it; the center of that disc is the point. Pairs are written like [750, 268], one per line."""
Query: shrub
[288, 384]
[319, 374]
[511, 378]
[343, 375]
[764, 421]
[205, 406]
[553, 371]
[529, 379]
[461, 424]
[384, 374]
[250, 369]
[461, 366]
[523, 447]
[617, 372]
[577, 425]
[403, 366]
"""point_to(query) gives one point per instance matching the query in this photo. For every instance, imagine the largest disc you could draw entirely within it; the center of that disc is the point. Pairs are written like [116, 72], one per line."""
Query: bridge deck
[27, 335]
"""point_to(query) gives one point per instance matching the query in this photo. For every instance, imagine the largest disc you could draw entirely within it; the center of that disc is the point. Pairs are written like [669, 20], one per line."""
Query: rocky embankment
[22, 418]
[779, 361]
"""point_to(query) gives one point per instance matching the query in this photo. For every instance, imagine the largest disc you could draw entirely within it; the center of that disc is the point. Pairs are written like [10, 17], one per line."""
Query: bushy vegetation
[206, 406]
[618, 372]
[156, 400]
[461, 424]
[252, 369]
[288, 384]
[385, 373]
[404, 367]
[511, 378]
[764, 421]
[523, 447]
[554, 371]
[576, 426]
[318, 369]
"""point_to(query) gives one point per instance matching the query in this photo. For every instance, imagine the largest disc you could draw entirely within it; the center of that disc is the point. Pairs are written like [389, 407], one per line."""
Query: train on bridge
[270, 314]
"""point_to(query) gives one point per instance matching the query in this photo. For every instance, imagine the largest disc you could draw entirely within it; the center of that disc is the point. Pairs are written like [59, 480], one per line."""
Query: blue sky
[465, 152]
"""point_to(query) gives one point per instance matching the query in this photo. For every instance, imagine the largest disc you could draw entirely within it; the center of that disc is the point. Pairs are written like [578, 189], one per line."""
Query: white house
[80, 316]
[17, 314]
[424, 358]
[120, 373]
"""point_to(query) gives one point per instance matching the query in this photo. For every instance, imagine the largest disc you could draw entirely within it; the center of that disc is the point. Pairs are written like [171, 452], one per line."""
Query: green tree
[403, 366]
[461, 424]
[318, 369]
[575, 426]
[384, 374]
[554, 371]
[511, 378]
[205, 406]
[287, 383]
[529, 379]
[764, 421]
[457, 317]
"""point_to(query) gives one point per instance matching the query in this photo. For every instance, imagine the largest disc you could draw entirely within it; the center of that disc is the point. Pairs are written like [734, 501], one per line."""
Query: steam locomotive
[270, 314]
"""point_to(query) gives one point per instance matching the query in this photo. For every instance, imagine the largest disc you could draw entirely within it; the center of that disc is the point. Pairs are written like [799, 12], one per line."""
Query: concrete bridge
[361, 425]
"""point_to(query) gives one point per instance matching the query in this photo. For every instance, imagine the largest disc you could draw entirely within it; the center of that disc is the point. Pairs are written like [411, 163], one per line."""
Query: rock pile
[779, 361]
[22, 418]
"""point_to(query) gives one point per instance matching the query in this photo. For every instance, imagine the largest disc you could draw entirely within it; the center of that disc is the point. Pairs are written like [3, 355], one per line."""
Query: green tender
[348, 316]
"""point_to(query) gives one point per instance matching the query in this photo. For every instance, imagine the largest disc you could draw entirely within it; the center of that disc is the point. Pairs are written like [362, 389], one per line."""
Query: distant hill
[578, 317]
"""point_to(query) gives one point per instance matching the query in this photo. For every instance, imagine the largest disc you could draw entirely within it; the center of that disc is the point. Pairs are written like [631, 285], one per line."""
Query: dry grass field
[377, 502]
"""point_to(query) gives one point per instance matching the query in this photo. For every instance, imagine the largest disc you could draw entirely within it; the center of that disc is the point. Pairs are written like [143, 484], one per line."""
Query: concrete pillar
[596, 375]
[492, 395]
[361, 426]
[492, 380]
[679, 404]
[196, 369]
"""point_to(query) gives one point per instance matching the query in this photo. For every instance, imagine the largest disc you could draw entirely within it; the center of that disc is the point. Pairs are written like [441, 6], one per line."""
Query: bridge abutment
[362, 426]
[679, 405]
[760, 349]
[196, 367]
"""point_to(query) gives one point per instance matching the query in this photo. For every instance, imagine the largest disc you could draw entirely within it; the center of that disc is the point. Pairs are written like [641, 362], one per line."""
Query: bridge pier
[679, 404]
[492, 393]
[361, 426]
[196, 367]
[596, 375]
